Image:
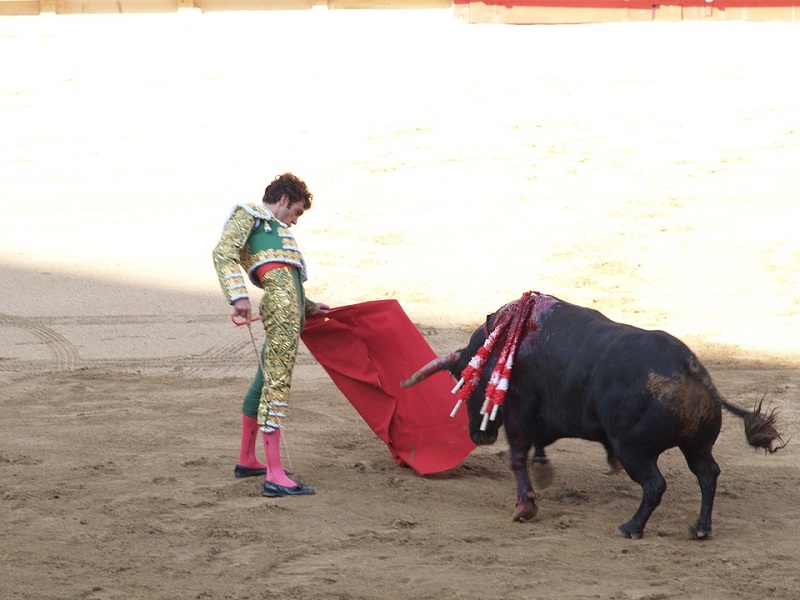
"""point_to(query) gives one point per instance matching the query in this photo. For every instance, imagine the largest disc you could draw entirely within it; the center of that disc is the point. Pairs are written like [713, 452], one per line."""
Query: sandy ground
[647, 170]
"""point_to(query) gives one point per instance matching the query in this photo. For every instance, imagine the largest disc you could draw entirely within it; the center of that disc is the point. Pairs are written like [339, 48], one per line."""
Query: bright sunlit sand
[647, 169]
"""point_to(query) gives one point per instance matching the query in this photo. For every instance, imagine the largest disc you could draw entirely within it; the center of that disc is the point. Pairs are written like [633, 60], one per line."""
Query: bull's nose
[483, 439]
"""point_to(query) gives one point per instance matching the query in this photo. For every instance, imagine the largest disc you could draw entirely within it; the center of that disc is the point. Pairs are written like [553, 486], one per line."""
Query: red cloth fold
[368, 349]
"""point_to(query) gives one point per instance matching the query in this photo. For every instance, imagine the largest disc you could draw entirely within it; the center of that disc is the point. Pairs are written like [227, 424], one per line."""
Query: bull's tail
[759, 426]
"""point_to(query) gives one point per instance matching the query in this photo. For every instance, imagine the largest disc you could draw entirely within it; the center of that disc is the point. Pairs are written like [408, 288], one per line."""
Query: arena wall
[35, 7]
[471, 11]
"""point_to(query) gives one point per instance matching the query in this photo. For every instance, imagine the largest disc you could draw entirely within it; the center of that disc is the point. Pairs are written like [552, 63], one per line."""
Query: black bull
[577, 374]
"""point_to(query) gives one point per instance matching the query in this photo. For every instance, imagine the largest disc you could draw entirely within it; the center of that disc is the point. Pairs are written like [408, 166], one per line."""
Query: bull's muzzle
[483, 438]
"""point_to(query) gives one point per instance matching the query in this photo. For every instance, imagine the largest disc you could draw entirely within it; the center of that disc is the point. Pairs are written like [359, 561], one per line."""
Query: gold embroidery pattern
[251, 262]
[280, 312]
[227, 252]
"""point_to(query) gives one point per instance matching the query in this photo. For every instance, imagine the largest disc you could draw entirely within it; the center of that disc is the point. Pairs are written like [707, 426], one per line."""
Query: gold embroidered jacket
[252, 237]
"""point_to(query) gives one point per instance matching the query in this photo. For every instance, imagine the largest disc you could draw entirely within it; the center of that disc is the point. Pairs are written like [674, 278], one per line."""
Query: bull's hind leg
[541, 470]
[706, 469]
[644, 471]
[614, 465]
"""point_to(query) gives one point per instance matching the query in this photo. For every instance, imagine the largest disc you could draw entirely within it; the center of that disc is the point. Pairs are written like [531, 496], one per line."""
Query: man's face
[286, 213]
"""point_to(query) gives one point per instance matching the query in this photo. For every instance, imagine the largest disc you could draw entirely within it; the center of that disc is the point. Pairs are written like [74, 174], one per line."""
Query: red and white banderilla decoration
[509, 328]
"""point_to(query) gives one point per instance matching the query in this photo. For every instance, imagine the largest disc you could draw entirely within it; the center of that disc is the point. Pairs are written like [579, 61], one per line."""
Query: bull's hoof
[614, 467]
[628, 532]
[526, 508]
[699, 534]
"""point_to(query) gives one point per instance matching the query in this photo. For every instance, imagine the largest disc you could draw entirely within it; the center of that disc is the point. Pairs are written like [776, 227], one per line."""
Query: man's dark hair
[291, 185]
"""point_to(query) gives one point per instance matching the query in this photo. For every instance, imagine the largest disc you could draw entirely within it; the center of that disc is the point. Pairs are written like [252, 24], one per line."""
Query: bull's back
[601, 378]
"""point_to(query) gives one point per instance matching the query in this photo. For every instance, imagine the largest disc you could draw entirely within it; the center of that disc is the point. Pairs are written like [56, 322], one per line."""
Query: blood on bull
[546, 369]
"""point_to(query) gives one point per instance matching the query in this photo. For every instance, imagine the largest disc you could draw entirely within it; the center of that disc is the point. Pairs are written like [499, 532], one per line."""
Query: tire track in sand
[65, 355]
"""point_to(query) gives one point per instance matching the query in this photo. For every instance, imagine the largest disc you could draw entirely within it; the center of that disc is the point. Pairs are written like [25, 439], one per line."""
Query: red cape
[368, 349]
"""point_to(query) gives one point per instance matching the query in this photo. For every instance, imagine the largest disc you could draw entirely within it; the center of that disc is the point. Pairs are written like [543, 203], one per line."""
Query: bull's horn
[440, 363]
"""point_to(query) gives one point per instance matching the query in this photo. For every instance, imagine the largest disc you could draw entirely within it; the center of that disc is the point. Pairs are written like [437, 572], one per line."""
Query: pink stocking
[247, 452]
[272, 451]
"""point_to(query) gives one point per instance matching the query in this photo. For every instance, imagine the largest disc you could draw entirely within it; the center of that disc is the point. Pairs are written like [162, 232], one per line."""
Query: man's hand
[243, 309]
[321, 307]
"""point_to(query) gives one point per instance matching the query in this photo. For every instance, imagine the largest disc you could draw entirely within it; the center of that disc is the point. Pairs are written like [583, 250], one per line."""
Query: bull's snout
[483, 438]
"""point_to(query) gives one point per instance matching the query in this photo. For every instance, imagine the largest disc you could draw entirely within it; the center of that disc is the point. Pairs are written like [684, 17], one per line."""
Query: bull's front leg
[526, 508]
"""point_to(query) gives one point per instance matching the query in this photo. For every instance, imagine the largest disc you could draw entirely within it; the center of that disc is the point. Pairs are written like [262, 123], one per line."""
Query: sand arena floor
[646, 169]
